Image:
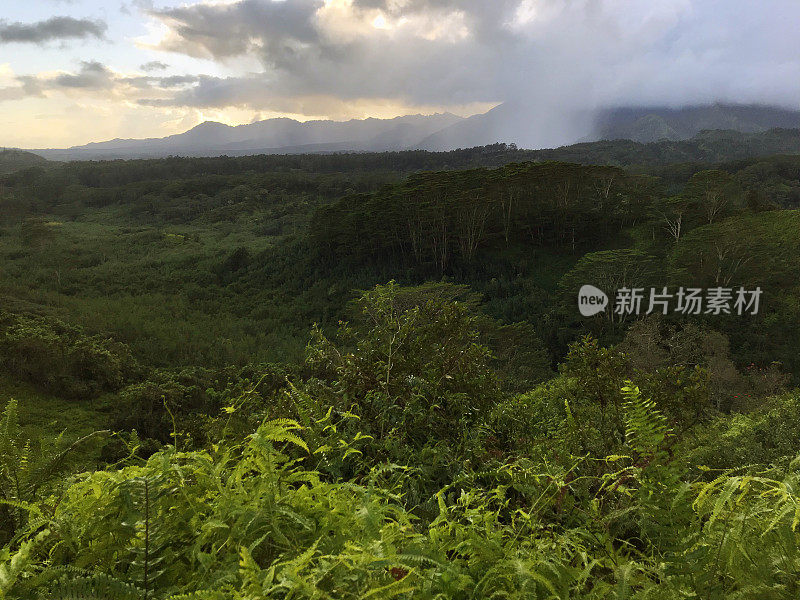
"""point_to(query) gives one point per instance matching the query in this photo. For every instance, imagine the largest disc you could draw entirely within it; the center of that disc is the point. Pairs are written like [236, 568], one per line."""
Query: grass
[45, 416]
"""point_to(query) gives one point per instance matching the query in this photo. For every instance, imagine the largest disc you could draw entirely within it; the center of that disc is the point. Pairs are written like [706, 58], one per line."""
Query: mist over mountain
[654, 124]
[507, 123]
[515, 123]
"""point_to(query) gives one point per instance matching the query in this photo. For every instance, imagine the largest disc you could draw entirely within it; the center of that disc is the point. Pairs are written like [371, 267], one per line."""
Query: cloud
[93, 79]
[93, 75]
[550, 59]
[54, 28]
[222, 31]
[546, 52]
[154, 65]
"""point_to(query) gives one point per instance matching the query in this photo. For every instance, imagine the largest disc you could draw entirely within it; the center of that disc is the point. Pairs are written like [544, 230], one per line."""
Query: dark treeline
[434, 219]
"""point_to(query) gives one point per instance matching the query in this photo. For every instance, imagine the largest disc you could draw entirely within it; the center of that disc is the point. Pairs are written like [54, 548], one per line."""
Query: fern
[645, 426]
[13, 453]
[24, 472]
[50, 467]
[279, 430]
[203, 595]
[144, 493]
[10, 432]
[95, 587]
[254, 521]
[11, 569]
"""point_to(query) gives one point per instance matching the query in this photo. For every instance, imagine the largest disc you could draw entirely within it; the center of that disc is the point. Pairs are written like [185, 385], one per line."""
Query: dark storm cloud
[304, 55]
[54, 28]
[573, 52]
[222, 31]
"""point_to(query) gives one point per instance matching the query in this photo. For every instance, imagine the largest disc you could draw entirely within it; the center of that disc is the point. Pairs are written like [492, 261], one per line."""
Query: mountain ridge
[278, 134]
[513, 123]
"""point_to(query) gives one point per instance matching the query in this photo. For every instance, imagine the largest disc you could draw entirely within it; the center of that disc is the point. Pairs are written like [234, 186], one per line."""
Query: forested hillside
[15, 160]
[366, 375]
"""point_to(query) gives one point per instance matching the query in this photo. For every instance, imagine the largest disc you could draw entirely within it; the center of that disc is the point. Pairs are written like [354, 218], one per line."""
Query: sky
[77, 71]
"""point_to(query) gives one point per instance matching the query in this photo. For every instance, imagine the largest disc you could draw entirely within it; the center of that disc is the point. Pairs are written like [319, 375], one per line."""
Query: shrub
[62, 359]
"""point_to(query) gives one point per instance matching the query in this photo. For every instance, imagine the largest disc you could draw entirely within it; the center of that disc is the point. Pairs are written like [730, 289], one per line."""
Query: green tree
[414, 366]
[714, 194]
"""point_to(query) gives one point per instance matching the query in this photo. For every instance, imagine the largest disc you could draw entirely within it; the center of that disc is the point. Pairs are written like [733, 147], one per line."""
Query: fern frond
[279, 430]
[13, 568]
[96, 587]
[645, 426]
[40, 474]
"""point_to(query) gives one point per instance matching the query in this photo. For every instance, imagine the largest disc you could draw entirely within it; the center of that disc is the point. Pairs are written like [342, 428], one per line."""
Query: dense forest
[366, 375]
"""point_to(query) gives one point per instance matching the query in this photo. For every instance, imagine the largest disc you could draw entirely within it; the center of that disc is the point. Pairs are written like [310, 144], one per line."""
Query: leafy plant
[26, 472]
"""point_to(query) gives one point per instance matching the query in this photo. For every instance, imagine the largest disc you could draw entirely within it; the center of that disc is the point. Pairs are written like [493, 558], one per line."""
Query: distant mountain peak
[210, 125]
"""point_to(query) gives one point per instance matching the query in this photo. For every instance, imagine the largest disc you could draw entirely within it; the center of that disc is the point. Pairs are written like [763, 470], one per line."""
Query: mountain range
[508, 122]
[271, 136]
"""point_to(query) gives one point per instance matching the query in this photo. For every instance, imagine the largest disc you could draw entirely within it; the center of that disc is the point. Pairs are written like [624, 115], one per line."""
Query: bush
[764, 436]
[182, 400]
[413, 368]
[62, 359]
